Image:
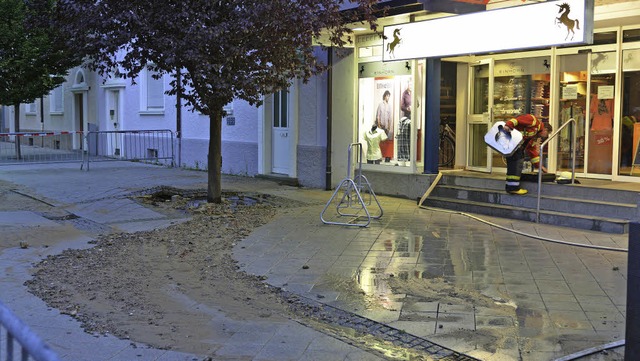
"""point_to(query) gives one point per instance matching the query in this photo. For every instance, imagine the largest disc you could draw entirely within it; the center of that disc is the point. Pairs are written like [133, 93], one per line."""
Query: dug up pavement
[415, 283]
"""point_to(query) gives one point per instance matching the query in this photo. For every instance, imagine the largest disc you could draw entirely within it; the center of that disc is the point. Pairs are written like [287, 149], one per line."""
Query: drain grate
[328, 314]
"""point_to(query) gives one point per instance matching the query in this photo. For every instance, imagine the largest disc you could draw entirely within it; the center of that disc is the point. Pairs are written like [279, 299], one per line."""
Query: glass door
[601, 113]
[629, 138]
[572, 74]
[480, 115]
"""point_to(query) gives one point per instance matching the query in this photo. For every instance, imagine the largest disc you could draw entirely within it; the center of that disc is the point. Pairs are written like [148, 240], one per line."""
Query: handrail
[30, 343]
[573, 160]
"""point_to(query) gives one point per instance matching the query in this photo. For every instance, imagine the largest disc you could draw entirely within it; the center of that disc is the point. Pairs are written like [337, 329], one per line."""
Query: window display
[601, 113]
[630, 123]
[385, 110]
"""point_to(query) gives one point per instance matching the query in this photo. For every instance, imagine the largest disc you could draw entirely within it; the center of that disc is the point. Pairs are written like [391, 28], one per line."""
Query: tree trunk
[16, 129]
[214, 165]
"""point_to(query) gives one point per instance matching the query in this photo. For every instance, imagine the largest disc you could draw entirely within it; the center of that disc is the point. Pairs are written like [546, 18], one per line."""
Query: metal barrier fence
[154, 146]
[19, 341]
[40, 147]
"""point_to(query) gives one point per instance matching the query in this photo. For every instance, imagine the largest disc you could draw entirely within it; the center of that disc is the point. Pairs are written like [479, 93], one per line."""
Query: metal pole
[329, 118]
[632, 338]
[42, 120]
[179, 116]
[542, 162]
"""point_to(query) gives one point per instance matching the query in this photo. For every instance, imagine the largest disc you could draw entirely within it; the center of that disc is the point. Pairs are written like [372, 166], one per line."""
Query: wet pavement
[427, 279]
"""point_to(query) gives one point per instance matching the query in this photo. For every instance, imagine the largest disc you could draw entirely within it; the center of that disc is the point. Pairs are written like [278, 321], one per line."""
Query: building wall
[410, 186]
[239, 141]
[343, 113]
[311, 152]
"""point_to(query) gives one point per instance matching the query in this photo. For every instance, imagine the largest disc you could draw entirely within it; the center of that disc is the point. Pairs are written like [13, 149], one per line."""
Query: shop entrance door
[600, 140]
[573, 75]
[479, 115]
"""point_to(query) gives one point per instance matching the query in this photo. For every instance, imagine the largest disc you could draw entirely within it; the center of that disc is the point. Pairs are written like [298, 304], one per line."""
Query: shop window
[629, 160]
[370, 51]
[386, 113]
[607, 37]
[631, 35]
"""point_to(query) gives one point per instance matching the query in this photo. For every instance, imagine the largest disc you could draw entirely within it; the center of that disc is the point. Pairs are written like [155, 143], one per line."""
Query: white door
[113, 139]
[280, 144]
[480, 115]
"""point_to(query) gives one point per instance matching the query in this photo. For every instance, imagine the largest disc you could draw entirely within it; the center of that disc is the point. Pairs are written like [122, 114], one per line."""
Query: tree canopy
[224, 49]
[34, 58]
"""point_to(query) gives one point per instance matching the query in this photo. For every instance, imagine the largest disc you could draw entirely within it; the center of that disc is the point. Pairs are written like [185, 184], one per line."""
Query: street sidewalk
[466, 285]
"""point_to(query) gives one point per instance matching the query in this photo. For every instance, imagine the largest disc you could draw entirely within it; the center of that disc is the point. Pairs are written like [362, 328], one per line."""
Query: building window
[152, 92]
[56, 101]
[631, 35]
[280, 109]
[31, 108]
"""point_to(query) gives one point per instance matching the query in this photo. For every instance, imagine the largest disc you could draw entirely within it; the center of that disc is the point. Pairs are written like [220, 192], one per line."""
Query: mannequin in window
[404, 140]
[405, 101]
[384, 121]
[373, 138]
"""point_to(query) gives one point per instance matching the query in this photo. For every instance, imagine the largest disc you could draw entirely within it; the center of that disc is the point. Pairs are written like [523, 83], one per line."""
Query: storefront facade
[593, 86]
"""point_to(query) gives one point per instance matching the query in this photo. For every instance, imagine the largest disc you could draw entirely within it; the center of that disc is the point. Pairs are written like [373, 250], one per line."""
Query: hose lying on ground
[590, 351]
[435, 181]
[573, 356]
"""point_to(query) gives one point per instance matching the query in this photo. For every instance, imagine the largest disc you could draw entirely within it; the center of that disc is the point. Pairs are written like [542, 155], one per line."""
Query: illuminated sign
[552, 23]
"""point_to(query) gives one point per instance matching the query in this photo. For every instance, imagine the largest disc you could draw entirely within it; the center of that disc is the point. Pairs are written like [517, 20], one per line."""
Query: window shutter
[56, 104]
[155, 91]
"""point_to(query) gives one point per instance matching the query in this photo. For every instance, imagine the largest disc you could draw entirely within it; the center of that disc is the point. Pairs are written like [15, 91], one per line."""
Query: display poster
[570, 92]
[605, 92]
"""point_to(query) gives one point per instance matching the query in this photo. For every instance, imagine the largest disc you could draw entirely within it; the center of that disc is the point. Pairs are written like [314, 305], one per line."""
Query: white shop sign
[551, 23]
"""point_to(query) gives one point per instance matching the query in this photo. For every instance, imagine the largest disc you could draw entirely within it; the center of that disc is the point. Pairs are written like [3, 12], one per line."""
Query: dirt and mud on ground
[143, 286]
[134, 285]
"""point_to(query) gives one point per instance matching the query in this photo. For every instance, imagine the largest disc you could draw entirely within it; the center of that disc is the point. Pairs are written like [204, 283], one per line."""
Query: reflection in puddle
[472, 288]
[374, 284]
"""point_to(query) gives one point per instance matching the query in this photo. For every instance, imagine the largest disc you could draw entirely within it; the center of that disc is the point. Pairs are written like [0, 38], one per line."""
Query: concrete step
[571, 205]
[582, 191]
[566, 203]
[601, 224]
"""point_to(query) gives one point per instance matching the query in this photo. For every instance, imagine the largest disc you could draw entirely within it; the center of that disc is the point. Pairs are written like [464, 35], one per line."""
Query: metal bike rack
[351, 203]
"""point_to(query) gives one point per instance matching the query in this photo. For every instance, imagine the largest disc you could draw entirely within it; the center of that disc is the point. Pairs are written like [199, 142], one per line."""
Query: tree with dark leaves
[222, 49]
[34, 58]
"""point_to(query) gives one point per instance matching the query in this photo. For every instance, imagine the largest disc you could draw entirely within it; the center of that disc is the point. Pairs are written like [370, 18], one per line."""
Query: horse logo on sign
[396, 40]
[564, 19]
